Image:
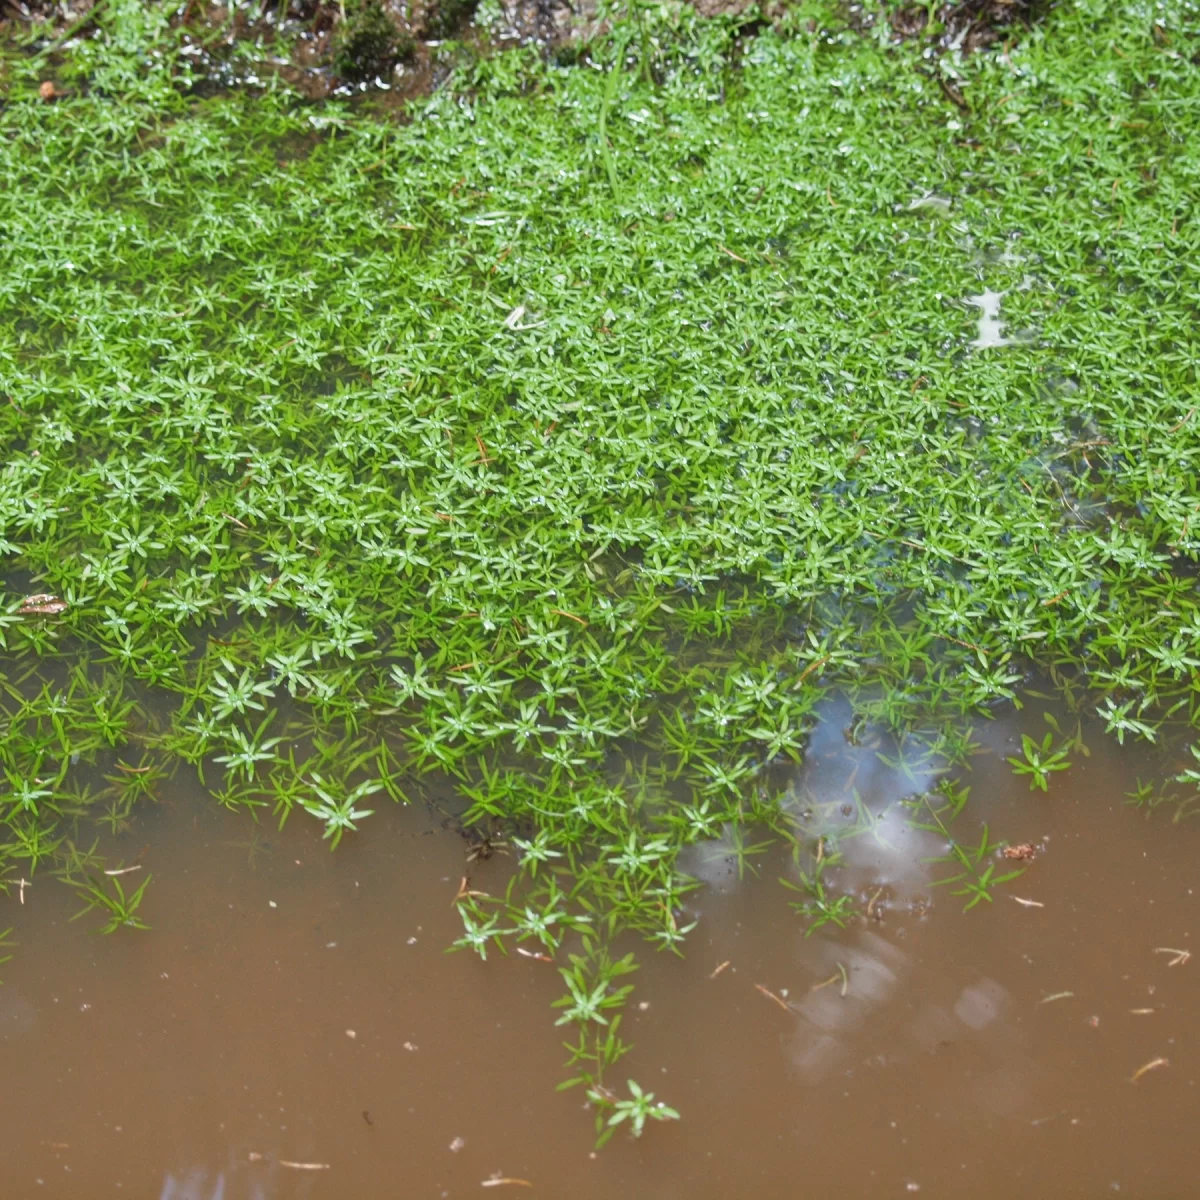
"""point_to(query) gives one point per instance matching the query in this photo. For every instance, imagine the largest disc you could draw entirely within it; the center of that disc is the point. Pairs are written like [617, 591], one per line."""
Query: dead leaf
[42, 604]
[1020, 853]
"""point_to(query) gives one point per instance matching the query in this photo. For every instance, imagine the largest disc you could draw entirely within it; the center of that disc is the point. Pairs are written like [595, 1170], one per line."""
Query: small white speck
[272, 904]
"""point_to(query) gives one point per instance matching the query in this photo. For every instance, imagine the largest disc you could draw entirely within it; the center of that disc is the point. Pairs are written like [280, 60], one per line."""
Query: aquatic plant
[573, 437]
[109, 897]
[974, 864]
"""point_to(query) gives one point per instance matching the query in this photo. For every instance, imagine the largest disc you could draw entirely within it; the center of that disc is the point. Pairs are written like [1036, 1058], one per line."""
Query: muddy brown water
[290, 1006]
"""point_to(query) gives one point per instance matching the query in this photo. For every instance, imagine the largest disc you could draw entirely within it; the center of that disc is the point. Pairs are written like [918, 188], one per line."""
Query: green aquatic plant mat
[574, 436]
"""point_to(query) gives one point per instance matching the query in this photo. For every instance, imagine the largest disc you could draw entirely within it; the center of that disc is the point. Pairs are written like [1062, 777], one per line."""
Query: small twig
[735, 257]
[770, 995]
[720, 967]
[959, 642]
[299, 1166]
[1181, 956]
[1055, 599]
[1152, 1065]
[123, 870]
[1028, 903]
[506, 1180]
[1056, 996]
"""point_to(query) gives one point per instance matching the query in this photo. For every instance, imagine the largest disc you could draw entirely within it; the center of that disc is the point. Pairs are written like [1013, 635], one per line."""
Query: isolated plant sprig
[974, 864]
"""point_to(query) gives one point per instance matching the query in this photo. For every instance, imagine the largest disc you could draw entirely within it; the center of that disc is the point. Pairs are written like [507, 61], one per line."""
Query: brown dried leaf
[42, 604]
[1022, 853]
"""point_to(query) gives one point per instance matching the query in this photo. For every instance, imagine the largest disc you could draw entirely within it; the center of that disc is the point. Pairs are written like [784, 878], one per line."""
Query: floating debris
[1181, 956]
[42, 604]
[770, 995]
[1152, 1065]
[1024, 852]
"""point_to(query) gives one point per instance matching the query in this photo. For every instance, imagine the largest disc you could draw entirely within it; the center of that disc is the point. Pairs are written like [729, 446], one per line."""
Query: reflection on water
[237, 1182]
[195, 1185]
[853, 789]
[292, 1009]
[17, 1015]
[840, 1006]
[991, 328]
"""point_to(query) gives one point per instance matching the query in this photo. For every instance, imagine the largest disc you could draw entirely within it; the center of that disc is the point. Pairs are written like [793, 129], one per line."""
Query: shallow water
[291, 1026]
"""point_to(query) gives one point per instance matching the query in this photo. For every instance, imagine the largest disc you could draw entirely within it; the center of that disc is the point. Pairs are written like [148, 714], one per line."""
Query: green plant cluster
[367, 41]
[575, 436]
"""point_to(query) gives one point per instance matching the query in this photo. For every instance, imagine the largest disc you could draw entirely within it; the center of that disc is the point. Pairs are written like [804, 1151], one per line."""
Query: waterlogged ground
[293, 1007]
[598, 457]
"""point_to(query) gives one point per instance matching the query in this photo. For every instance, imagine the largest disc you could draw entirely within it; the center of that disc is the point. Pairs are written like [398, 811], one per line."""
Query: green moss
[367, 42]
[448, 17]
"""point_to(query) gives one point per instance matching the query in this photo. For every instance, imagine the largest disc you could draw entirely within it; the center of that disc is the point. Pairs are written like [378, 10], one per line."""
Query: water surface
[292, 1026]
